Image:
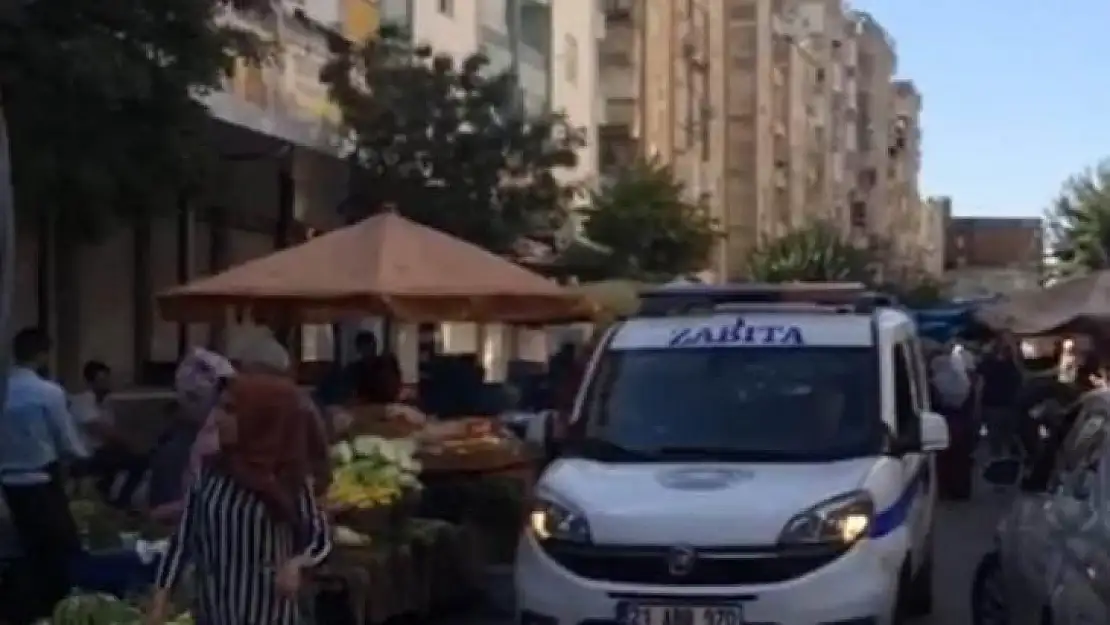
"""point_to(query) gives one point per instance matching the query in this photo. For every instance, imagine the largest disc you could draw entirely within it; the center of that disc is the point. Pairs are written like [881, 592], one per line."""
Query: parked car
[1051, 559]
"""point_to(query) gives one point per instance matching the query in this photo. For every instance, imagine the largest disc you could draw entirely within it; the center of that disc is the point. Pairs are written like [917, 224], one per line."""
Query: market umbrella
[386, 265]
[1079, 305]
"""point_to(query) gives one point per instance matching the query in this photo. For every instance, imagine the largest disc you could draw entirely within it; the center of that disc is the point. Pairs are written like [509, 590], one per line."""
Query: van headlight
[841, 520]
[556, 521]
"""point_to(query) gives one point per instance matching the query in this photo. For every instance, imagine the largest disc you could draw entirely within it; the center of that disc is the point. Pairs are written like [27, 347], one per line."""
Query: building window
[868, 178]
[570, 59]
[858, 214]
[447, 7]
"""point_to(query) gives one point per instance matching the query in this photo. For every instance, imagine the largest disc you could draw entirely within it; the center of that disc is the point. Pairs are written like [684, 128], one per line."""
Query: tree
[447, 144]
[652, 230]
[819, 253]
[100, 100]
[815, 253]
[1079, 223]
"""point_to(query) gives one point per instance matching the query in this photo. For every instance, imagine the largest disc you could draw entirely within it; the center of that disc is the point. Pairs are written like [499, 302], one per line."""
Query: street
[964, 532]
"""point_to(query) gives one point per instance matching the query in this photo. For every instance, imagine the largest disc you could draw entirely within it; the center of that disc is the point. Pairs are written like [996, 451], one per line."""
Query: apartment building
[658, 64]
[273, 131]
[902, 173]
[936, 214]
[450, 26]
[577, 30]
[768, 139]
[875, 64]
[808, 85]
[551, 46]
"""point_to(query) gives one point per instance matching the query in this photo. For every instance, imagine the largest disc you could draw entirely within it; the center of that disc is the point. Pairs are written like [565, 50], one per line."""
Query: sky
[1016, 95]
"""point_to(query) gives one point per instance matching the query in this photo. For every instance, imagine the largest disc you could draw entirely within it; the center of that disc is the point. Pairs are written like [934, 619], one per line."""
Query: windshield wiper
[608, 451]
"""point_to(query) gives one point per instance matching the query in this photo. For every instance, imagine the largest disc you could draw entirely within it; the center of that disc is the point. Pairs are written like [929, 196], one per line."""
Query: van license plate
[657, 614]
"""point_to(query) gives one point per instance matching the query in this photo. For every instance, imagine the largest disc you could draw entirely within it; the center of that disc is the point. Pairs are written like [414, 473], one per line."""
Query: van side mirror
[934, 432]
[541, 434]
[538, 430]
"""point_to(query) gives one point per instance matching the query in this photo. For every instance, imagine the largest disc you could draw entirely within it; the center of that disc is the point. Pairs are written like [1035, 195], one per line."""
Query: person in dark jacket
[1000, 381]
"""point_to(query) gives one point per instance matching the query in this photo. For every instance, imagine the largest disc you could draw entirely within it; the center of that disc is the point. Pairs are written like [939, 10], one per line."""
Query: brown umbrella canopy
[1079, 305]
[385, 265]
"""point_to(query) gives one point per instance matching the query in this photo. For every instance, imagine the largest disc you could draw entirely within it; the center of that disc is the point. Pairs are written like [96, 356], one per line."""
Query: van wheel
[916, 591]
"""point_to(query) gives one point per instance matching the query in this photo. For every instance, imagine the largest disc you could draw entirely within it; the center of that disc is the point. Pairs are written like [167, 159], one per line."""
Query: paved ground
[964, 532]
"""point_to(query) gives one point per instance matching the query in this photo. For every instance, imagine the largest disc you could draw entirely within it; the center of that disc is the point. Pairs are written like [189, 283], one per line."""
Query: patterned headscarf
[197, 381]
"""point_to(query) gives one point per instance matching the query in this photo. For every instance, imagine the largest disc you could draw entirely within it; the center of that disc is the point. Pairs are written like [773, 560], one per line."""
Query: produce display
[99, 609]
[373, 472]
[473, 444]
[103, 527]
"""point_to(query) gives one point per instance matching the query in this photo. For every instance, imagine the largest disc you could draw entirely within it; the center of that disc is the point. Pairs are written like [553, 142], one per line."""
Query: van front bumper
[857, 588]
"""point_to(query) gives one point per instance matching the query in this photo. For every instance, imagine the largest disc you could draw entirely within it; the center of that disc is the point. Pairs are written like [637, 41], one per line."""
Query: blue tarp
[943, 323]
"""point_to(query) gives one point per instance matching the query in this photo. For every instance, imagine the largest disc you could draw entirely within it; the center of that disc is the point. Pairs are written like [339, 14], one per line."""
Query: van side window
[905, 396]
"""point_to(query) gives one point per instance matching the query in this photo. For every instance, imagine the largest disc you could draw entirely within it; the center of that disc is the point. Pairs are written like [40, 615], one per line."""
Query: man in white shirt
[950, 378]
[114, 455]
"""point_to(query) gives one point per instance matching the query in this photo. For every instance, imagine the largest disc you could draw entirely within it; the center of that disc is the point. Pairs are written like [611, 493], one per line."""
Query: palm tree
[1079, 223]
[814, 253]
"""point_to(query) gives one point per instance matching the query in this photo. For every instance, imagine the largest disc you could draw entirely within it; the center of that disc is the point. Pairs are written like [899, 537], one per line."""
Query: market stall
[473, 470]
[383, 266]
[412, 493]
[1078, 305]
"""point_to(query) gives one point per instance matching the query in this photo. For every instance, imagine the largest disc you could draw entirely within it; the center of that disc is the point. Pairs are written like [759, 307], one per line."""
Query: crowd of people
[237, 471]
[983, 387]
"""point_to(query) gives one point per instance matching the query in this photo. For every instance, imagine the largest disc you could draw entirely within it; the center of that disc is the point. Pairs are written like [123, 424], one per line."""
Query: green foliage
[100, 100]
[915, 291]
[446, 143]
[1079, 223]
[816, 253]
[652, 230]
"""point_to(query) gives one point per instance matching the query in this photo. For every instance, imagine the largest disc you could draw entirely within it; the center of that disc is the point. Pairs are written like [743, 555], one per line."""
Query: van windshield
[757, 404]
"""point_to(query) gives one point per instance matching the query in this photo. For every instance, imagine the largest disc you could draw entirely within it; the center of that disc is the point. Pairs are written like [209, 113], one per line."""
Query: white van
[749, 460]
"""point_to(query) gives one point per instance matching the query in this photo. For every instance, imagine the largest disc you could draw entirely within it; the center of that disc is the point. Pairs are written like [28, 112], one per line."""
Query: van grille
[713, 566]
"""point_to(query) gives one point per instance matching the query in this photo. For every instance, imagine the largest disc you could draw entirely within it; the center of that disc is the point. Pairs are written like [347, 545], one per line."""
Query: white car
[750, 463]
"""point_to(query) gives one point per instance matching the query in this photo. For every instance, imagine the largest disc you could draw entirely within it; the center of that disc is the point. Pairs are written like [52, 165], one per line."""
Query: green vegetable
[94, 609]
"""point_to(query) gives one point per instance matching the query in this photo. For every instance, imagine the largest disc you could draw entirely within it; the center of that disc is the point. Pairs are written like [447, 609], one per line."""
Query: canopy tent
[1077, 305]
[386, 265]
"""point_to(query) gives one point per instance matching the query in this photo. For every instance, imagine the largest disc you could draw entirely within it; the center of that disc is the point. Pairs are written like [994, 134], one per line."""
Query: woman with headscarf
[253, 350]
[198, 381]
[251, 523]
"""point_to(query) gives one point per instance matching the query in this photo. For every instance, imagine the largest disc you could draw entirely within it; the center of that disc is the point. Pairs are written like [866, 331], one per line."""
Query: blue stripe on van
[894, 516]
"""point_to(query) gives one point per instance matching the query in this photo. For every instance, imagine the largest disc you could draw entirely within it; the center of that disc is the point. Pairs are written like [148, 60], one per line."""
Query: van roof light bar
[842, 296]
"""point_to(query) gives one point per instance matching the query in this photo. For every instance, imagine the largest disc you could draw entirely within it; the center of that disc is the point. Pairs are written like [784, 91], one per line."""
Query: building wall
[751, 174]
[576, 32]
[282, 100]
[453, 32]
[876, 64]
[935, 214]
[995, 242]
[662, 73]
[800, 97]
[903, 170]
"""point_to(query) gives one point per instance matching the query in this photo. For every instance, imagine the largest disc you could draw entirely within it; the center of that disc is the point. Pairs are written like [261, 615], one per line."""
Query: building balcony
[621, 112]
[618, 11]
[620, 83]
[618, 148]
